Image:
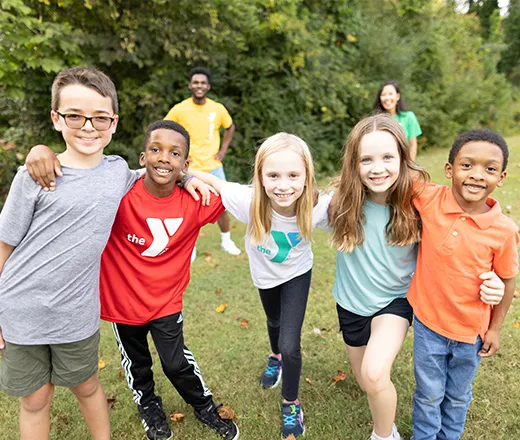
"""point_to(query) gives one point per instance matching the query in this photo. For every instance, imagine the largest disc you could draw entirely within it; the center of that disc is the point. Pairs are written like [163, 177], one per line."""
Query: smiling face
[476, 172]
[164, 159]
[389, 98]
[199, 86]
[84, 145]
[379, 164]
[283, 179]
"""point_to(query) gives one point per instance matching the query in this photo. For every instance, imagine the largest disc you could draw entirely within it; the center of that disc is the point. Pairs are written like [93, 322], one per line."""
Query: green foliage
[311, 67]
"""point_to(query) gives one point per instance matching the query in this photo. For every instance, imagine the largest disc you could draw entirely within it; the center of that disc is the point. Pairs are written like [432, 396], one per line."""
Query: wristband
[186, 181]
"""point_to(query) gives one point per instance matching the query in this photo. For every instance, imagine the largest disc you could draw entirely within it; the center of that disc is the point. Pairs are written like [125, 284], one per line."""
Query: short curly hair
[167, 125]
[482, 135]
[200, 71]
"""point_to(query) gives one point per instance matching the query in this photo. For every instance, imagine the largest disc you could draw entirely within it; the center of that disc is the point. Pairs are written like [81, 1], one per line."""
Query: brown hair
[261, 211]
[86, 76]
[346, 216]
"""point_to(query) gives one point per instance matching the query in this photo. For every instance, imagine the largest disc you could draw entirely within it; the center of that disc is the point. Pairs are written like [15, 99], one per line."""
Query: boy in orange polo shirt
[464, 235]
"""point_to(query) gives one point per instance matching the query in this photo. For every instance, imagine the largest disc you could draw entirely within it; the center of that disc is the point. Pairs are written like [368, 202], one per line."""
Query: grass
[231, 358]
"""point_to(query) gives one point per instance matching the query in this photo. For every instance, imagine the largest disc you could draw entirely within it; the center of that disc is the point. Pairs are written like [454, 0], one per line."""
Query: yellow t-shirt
[203, 123]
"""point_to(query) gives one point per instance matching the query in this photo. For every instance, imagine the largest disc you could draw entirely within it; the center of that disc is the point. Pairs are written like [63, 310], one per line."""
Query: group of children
[444, 258]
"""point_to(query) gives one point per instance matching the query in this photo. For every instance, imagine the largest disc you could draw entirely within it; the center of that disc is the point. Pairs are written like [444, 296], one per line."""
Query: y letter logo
[285, 244]
[161, 234]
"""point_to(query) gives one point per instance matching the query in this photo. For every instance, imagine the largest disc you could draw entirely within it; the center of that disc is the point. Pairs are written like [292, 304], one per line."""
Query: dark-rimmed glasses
[101, 123]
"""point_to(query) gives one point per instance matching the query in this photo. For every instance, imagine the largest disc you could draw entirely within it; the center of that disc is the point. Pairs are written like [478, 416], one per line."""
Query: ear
[142, 161]
[448, 170]
[114, 124]
[186, 166]
[209, 87]
[55, 120]
[502, 178]
[398, 96]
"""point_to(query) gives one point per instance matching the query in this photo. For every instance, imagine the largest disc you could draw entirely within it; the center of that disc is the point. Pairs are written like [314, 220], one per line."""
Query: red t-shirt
[145, 267]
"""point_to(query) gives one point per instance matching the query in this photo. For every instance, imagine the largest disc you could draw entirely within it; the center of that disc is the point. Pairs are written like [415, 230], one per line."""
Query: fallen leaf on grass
[226, 412]
[101, 364]
[120, 374]
[244, 323]
[208, 259]
[308, 380]
[340, 376]
[316, 331]
[177, 416]
[111, 400]
[218, 291]
[236, 317]
[516, 324]
[207, 253]
[516, 294]
[221, 308]
[291, 437]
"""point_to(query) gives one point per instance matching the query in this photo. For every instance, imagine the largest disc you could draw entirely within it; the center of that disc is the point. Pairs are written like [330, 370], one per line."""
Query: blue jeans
[444, 371]
[218, 172]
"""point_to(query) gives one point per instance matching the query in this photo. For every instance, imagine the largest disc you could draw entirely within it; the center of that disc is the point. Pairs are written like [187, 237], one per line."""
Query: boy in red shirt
[464, 234]
[145, 269]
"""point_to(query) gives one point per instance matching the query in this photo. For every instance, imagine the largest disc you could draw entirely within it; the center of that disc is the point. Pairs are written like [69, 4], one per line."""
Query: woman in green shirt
[389, 100]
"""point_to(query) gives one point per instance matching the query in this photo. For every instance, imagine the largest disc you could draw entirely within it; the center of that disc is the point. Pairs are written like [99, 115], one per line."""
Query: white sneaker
[395, 433]
[230, 247]
[194, 254]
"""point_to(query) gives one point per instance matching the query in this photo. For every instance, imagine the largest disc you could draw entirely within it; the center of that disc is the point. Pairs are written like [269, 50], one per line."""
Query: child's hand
[194, 185]
[2, 343]
[43, 166]
[491, 344]
[492, 288]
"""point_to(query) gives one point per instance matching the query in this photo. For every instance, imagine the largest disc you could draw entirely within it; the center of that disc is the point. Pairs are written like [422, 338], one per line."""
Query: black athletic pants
[177, 361]
[285, 307]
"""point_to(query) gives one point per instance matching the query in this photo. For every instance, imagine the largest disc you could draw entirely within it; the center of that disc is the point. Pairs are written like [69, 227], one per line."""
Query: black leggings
[285, 307]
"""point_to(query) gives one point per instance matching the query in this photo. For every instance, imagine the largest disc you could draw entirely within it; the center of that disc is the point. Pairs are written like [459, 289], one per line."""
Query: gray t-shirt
[49, 287]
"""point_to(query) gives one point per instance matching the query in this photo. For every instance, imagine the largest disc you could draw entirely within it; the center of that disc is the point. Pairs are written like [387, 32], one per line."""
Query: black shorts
[356, 328]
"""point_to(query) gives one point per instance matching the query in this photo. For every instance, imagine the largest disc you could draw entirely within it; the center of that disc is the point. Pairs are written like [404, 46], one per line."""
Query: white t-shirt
[284, 255]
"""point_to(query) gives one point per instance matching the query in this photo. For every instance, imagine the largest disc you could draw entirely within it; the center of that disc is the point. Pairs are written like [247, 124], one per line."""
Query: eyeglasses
[101, 123]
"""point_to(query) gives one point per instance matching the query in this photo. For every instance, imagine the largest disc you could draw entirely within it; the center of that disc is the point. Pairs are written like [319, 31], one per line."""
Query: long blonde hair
[261, 211]
[347, 217]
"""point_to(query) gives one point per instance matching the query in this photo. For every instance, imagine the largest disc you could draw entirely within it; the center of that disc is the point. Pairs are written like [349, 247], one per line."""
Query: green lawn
[232, 358]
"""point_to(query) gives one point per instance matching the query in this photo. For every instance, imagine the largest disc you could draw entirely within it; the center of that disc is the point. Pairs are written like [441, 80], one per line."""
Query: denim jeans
[444, 371]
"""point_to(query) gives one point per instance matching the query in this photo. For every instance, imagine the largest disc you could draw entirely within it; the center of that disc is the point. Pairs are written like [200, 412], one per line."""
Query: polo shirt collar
[483, 221]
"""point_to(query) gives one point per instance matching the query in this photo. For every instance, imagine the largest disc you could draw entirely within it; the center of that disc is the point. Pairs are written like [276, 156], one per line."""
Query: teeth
[378, 179]
[161, 171]
[284, 196]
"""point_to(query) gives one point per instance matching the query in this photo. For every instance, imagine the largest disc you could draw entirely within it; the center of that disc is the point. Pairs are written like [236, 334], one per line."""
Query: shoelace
[272, 370]
[156, 416]
[290, 419]
[217, 421]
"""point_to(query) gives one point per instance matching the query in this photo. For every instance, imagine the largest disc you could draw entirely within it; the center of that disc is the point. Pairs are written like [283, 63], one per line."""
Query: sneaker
[154, 420]
[272, 374]
[292, 420]
[395, 434]
[194, 254]
[226, 429]
[230, 247]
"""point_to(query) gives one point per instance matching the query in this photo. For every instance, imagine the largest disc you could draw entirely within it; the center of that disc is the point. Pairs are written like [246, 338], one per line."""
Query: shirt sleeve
[237, 200]
[225, 118]
[211, 213]
[412, 126]
[505, 261]
[17, 213]
[173, 114]
[320, 213]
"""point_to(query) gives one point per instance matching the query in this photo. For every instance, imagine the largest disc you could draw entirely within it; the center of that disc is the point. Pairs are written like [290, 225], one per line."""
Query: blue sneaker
[272, 374]
[292, 420]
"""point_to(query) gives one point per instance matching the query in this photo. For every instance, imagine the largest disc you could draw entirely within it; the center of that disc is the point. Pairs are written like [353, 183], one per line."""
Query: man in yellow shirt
[203, 117]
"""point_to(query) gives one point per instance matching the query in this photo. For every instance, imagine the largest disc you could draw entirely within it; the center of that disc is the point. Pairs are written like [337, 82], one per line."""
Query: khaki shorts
[24, 369]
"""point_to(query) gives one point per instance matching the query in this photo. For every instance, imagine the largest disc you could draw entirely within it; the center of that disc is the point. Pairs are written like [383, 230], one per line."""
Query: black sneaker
[226, 429]
[272, 374]
[154, 420]
[292, 420]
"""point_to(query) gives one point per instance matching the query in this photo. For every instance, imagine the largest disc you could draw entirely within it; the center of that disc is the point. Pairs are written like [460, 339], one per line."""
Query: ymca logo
[211, 118]
[161, 233]
[285, 243]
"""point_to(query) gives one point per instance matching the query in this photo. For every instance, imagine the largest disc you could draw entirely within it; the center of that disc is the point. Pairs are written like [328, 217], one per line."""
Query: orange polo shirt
[455, 249]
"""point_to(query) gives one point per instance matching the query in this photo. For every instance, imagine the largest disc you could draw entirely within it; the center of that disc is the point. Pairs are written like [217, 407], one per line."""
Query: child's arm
[43, 166]
[209, 179]
[492, 338]
[194, 184]
[5, 251]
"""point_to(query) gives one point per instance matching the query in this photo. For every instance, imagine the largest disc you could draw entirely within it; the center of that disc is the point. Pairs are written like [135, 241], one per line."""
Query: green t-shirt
[409, 123]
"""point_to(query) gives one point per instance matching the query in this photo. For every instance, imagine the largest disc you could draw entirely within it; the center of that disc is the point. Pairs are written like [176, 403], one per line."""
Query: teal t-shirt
[374, 273]
[409, 123]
